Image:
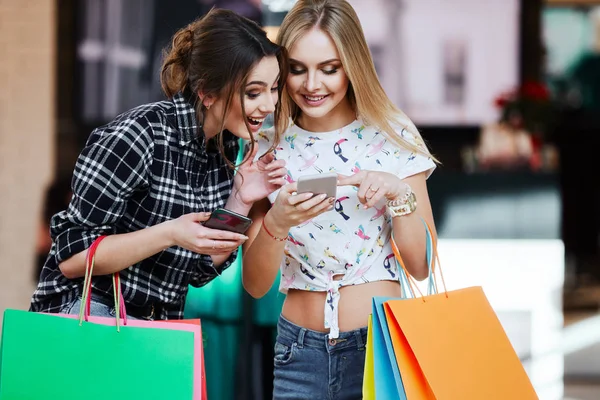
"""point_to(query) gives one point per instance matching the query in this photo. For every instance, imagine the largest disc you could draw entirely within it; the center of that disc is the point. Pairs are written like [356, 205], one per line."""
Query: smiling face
[318, 84]
[260, 98]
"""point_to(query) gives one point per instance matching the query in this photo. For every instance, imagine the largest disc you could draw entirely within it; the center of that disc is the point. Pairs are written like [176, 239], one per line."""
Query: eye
[274, 89]
[252, 95]
[296, 71]
[330, 71]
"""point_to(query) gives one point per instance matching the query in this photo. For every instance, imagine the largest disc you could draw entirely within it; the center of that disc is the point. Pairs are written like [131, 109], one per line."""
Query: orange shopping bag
[451, 345]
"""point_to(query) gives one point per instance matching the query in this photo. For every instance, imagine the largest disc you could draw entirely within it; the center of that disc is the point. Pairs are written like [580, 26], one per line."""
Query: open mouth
[255, 121]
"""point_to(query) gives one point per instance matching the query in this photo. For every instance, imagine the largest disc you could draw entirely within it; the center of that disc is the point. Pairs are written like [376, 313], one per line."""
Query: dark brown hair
[214, 55]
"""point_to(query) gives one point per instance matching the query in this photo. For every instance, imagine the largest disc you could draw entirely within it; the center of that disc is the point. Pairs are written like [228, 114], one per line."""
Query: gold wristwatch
[404, 206]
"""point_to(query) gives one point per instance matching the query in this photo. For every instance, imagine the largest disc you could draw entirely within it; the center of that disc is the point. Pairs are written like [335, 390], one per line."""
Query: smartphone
[226, 220]
[318, 184]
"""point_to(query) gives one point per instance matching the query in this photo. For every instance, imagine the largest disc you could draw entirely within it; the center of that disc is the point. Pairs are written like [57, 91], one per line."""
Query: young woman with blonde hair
[335, 254]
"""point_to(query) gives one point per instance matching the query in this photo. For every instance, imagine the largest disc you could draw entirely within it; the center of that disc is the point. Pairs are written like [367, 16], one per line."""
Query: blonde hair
[338, 19]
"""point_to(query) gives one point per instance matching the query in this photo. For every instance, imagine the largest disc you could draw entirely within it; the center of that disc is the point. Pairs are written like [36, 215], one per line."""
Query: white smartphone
[318, 184]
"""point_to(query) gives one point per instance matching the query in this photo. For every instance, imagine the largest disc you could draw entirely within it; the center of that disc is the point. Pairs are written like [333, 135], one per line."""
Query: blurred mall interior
[516, 206]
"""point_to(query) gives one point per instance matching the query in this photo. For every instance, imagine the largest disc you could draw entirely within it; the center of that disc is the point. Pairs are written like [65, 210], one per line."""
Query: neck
[340, 116]
[211, 126]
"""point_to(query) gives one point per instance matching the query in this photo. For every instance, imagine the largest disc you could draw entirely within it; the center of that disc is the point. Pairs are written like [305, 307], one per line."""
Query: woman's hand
[188, 232]
[374, 186]
[256, 180]
[291, 209]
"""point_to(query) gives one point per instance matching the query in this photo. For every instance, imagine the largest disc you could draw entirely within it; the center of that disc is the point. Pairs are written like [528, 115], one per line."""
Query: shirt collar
[187, 121]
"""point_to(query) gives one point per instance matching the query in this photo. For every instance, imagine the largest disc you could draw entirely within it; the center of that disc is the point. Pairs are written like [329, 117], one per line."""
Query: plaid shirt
[147, 166]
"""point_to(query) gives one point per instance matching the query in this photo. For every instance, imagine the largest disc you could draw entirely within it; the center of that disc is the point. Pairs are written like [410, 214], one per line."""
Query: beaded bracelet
[270, 234]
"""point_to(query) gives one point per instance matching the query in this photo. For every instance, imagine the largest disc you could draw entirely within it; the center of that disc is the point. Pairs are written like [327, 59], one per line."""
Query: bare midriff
[306, 308]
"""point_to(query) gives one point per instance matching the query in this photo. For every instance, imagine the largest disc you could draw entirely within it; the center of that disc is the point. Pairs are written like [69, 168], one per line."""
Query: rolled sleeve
[207, 271]
[113, 165]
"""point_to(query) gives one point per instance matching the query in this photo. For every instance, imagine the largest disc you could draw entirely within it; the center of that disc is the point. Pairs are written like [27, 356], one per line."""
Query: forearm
[118, 252]
[262, 259]
[410, 235]
[236, 205]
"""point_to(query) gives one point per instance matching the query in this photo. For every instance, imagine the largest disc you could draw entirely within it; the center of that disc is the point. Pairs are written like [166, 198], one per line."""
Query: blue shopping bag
[387, 381]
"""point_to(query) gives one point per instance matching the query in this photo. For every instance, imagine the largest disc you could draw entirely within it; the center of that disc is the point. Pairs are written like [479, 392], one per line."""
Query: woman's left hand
[255, 180]
[374, 186]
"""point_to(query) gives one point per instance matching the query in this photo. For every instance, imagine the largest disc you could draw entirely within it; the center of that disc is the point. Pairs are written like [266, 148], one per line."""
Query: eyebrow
[261, 83]
[331, 60]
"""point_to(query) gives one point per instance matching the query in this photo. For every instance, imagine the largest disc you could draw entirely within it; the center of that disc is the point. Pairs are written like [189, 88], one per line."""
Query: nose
[268, 106]
[312, 82]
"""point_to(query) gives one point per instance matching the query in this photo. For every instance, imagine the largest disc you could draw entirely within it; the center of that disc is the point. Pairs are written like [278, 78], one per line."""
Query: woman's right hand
[188, 232]
[292, 209]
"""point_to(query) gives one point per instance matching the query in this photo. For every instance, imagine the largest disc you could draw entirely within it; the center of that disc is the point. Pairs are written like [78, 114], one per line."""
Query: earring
[208, 107]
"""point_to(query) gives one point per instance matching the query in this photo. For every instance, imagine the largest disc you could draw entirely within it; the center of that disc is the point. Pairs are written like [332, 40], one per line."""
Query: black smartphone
[226, 220]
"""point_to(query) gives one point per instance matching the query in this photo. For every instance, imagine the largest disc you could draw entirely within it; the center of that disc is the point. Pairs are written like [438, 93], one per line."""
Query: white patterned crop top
[347, 240]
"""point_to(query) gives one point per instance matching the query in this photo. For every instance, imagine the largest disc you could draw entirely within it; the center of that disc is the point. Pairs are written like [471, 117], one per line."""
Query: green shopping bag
[46, 356]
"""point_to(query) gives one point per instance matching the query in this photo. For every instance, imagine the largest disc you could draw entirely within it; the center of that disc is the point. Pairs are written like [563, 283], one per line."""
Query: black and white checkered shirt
[151, 164]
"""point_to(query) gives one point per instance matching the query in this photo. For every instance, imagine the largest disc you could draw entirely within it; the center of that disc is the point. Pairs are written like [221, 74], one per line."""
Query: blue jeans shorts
[97, 309]
[308, 365]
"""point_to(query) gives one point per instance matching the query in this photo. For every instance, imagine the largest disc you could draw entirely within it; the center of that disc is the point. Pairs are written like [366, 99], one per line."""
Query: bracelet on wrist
[270, 234]
[404, 206]
[401, 199]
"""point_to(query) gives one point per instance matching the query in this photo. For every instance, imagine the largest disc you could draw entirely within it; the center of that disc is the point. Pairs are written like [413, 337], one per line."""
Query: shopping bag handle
[84, 310]
[432, 256]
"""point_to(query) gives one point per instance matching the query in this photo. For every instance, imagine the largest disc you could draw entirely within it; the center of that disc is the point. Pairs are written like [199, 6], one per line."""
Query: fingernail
[331, 200]
[322, 197]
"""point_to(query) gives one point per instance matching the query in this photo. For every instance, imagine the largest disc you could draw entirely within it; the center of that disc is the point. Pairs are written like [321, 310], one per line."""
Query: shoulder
[408, 150]
[138, 126]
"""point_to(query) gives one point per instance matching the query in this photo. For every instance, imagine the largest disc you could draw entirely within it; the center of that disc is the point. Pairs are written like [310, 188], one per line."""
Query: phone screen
[226, 220]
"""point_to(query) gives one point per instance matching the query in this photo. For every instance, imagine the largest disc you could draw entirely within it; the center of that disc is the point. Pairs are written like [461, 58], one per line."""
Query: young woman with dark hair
[149, 178]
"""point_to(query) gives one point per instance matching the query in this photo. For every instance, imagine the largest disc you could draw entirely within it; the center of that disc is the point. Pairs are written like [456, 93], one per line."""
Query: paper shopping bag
[187, 325]
[47, 356]
[451, 345]
[368, 389]
[388, 382]
[61, 357]
[199, 366]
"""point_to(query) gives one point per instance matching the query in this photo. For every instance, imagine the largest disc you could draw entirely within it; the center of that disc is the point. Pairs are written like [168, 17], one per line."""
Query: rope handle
[432, 257]
[86, 297]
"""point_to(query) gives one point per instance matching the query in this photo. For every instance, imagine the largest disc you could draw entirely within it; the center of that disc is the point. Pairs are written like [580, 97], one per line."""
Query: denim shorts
[308, 365]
